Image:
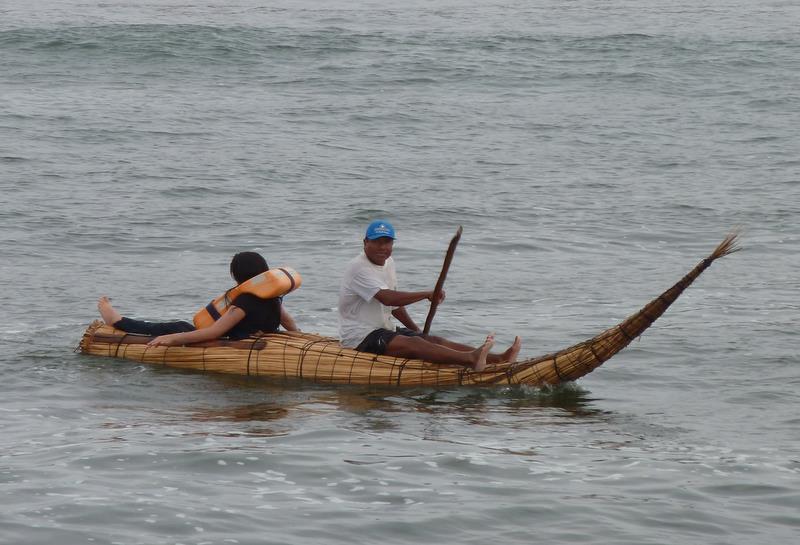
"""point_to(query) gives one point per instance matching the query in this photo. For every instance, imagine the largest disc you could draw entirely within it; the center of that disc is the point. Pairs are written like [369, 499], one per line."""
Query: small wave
[606, 42]
[626, 37]
[197, 191]
[149, 42]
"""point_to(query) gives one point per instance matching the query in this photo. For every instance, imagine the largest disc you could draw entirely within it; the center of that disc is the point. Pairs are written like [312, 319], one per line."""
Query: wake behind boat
[322, 359]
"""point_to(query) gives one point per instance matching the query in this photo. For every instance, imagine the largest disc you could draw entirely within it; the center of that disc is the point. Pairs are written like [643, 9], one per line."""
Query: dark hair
[245, 265]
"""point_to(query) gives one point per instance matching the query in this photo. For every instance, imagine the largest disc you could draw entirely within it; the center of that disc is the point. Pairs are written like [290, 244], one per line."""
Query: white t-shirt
[359, 312]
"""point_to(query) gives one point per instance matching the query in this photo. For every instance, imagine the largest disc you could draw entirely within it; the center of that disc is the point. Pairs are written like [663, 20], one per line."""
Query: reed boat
[293, 355]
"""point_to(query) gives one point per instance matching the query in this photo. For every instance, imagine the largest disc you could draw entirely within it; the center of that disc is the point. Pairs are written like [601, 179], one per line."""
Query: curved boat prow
[580, 359]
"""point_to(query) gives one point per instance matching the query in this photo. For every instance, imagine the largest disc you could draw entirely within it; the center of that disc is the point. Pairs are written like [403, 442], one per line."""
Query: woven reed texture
[322, 359]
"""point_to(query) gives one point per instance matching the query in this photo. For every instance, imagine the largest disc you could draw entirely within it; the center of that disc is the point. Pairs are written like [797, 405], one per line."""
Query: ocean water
[593, 153]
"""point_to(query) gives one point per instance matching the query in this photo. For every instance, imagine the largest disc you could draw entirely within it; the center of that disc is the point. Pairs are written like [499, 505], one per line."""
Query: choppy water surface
[593, 152]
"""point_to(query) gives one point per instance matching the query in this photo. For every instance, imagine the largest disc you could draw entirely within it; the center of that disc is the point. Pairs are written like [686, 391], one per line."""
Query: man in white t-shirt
[368, 299]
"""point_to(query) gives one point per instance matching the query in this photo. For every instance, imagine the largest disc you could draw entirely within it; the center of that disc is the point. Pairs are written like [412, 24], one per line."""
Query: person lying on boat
[246, 315]
[368, 298]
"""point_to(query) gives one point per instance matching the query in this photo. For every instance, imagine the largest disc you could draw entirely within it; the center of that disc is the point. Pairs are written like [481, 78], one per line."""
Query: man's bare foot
[511, 354]
[480, 353]
[109, 313]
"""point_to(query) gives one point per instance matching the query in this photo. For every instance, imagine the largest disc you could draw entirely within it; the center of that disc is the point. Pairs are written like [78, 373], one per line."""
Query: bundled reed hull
[322, 359]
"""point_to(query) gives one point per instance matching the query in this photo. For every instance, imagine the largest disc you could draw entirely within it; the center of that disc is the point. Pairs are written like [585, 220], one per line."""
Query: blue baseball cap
[380, 228]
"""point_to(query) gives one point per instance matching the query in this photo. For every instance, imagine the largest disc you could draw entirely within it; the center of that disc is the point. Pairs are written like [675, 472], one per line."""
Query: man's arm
[402, 316]
[392, 298]
[400, 299]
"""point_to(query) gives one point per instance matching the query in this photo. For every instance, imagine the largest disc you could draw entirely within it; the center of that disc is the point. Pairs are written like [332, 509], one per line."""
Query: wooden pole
[442, 275]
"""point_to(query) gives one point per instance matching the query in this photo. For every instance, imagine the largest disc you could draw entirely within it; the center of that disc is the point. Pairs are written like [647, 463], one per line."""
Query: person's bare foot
[480, 353]
[109, 313]
[511, 354]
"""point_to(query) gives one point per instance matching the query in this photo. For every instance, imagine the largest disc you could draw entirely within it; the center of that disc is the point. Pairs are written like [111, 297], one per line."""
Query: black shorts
[376, 342]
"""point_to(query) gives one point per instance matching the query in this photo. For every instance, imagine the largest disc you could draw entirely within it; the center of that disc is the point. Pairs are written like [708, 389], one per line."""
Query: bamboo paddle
[442, 275]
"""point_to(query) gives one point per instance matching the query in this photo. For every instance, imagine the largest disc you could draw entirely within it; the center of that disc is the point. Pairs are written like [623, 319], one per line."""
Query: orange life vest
[269, 284]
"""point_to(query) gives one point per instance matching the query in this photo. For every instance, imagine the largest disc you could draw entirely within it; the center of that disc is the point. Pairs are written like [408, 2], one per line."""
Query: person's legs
[113, 318]
[441, 341]
[153, 329]
[510, 355]
[402, 346]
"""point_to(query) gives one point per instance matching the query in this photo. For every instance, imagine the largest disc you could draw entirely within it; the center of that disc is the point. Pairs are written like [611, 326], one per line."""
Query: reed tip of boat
[728, 246]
